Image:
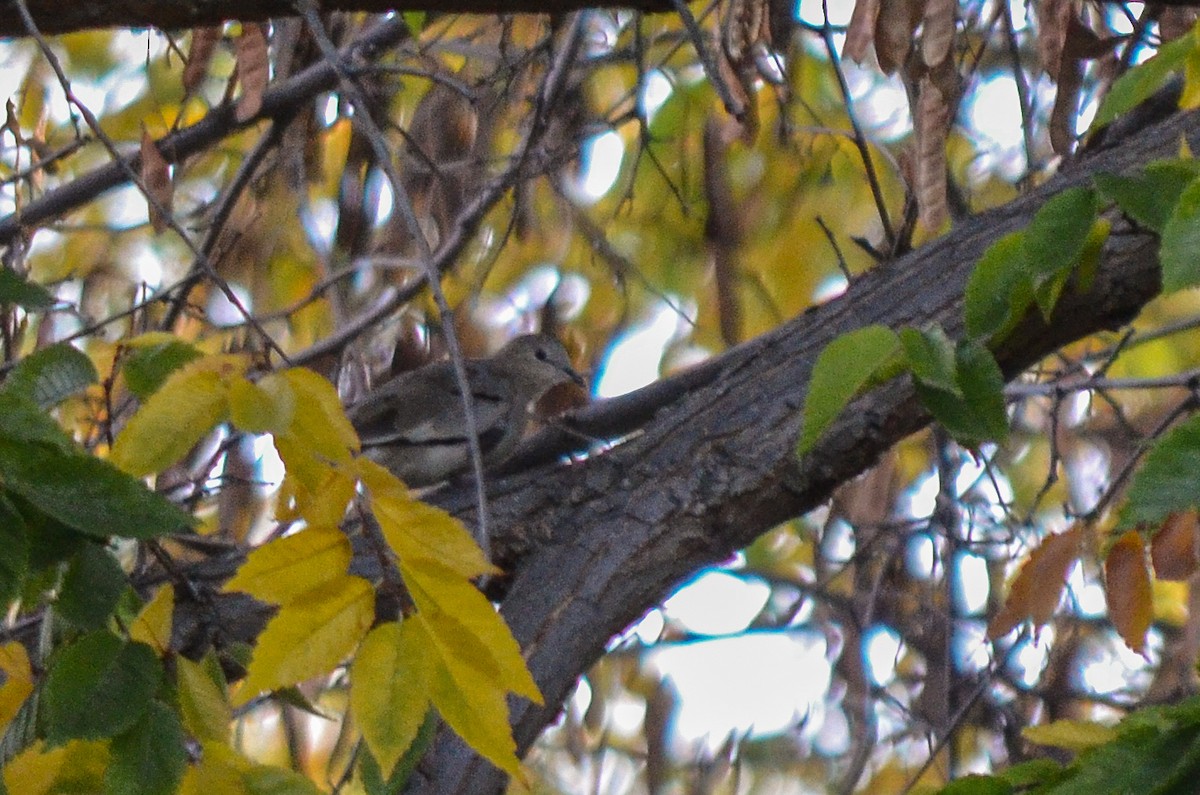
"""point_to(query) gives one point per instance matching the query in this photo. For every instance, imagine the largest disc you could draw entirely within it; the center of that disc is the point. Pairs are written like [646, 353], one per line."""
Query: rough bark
[596, 544]
[55, 16]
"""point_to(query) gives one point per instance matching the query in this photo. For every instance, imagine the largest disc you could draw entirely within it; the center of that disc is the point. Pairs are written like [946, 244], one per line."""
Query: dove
[414, 423]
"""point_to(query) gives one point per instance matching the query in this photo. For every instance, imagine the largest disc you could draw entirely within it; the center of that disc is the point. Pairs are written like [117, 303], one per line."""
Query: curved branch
[593, 546]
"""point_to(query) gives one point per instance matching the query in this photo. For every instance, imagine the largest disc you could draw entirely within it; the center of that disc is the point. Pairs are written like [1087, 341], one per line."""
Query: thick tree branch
[55, 16]
[597, 544]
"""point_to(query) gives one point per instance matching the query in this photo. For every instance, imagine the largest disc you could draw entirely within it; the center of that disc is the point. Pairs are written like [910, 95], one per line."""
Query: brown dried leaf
[937, 31]
[1173, 548]
[1038, 587]
[1175, 22]
[156, 179]
[1066, 105]
[740, 80]
[1053, 17]
[860, 34]
[742, 27]
[253, 68]
[894, 28]
[932, 124]
[1127, 590]
[200, 53]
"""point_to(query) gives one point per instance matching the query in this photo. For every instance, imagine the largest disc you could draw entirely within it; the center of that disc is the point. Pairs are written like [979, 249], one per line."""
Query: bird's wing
[424, 408]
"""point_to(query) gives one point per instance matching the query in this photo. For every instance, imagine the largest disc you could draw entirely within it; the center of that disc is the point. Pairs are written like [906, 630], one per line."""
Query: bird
[414, 424]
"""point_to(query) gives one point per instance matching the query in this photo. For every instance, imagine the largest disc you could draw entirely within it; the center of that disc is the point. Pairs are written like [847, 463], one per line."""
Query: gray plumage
[414, 423]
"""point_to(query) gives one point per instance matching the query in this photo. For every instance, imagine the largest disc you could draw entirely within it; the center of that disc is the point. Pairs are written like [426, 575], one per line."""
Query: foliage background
[282, 238]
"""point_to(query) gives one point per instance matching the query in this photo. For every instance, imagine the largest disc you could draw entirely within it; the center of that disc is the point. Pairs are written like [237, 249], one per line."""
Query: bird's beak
[575, 377]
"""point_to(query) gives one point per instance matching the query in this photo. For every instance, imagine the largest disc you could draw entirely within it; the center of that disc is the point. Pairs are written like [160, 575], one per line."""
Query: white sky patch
[1031, 658]
[650, 628]
[221, 312]
[812, 12]
[319, 223]
[147, 266]
[635, 359]
[972, 652]
[599, 166]
[718, 603]
[757, 684]
[829, 288]
[1087, 593]
[994, 118]
[656, 90]
[881, 651]
[972, 582]
[126, 206]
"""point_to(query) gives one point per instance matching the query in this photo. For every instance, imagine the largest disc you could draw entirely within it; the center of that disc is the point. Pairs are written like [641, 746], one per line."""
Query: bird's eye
[541, 354]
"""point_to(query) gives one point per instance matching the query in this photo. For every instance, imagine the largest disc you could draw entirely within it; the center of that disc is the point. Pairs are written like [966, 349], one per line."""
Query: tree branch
[55, 16]
[593, 546]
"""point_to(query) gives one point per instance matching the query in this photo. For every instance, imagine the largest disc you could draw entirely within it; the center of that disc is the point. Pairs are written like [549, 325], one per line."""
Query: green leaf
[977, 785]
[1181, 242]
[1143, 761]
[25, 423]
[1166, 481]
[25, 294]
[149, 758]
[14, 551]
[1149, 197]
[1033, 772]
[845, 367]
[146, 368]
[1143, 80]
[272, 780]
[91, 587]
[51, 375]
[98, 687]
[999, 289]
[372, 776]
[87, 494]
[979, 415]
[415, 20]
[1055, 239]
[930, 357]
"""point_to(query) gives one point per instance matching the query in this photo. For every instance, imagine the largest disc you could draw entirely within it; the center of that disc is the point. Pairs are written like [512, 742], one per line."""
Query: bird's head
[538, 361]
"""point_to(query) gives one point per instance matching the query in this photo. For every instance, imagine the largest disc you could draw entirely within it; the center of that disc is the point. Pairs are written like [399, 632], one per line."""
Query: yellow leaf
[327, 505]
[1127, 590]
[153, 625]
[286, 568]
[309, 636]
[255, 409]
[223, 771]
[473, 629]
[1073, 735]
[473, 706]
[17, 678]
[304, 469]
[203, 702]
[319, 418]
[150, 339]
[189, 404]
[77, 766]
[417, 531]
[389, 684]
